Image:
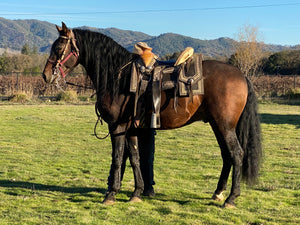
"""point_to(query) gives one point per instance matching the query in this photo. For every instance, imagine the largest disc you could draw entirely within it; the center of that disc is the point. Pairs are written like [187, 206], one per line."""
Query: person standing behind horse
[146, 136]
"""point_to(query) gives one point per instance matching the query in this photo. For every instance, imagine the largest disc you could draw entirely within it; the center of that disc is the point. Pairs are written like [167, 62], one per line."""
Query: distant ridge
[15, 33]
[170, 43]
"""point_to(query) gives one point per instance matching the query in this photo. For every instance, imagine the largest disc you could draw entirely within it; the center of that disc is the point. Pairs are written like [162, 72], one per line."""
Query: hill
[126, 38]
[169, 43]
[15, 33]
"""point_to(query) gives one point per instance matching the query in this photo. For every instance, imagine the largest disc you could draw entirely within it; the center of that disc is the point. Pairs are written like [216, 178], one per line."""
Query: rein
[119, 76]
[59, 73]
[101, 121]
[119, 72]
[122, 68]
[80, 86]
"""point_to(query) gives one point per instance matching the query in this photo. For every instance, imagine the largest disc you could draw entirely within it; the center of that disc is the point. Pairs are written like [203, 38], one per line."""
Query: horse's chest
[112, 109]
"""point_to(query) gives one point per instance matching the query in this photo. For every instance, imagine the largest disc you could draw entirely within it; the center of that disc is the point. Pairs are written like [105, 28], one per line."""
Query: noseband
[61, 61]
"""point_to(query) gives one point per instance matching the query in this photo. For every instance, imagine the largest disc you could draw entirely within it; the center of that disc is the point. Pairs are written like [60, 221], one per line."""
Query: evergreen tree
[26, 49]
[3, 64]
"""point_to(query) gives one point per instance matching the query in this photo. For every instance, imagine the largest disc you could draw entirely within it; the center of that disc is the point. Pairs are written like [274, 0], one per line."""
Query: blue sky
[277, 20]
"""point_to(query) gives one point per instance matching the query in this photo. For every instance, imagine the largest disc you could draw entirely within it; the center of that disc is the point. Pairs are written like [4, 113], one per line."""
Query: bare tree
[249, 51]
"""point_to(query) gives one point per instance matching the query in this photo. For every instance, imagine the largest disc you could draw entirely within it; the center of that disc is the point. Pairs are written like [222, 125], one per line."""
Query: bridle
[57, 65]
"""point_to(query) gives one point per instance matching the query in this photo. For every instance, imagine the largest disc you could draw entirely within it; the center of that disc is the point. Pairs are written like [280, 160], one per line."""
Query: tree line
[281, 63]
[252, 60]
[29, 62]
[249, 57]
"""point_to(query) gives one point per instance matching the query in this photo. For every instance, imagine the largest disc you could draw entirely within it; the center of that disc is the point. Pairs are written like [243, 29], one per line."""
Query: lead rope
[101, 121]
[58, 86]
[96, 108]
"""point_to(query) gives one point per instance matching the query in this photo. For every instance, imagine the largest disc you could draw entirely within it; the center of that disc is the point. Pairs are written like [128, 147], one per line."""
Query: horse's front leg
[135, 164]
[118, 145]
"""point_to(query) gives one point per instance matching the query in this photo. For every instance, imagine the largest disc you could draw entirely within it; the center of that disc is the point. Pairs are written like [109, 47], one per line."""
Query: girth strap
[139, 105]
[156, 96]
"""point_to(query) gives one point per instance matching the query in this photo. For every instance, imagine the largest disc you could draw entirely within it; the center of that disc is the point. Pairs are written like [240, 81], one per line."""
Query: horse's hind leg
[237, 154]
[135, 164]
[222, 184]
[235, 158]
[232, 155]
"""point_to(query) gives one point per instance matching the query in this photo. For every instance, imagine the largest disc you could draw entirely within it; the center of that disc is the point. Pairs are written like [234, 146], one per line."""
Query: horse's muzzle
[51, 79]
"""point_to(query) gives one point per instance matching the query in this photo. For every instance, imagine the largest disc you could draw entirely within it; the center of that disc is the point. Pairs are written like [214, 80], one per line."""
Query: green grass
[54, 171]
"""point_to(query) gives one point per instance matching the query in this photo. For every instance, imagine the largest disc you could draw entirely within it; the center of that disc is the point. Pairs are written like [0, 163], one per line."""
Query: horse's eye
[58, 49]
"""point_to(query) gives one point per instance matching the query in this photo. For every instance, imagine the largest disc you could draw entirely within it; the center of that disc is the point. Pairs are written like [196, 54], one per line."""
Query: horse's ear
[59, 29]
[64, 27]
[64, 31]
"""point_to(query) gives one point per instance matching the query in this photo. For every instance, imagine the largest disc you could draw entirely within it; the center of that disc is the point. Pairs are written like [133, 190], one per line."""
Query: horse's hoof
[228, 206]
[218, 197]
[108, 202]
[135, 199]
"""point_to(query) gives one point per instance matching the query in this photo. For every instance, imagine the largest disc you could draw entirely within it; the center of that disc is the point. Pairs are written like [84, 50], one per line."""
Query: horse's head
[63, 56]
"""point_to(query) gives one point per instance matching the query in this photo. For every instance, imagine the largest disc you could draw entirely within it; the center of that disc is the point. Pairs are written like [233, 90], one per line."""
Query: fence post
[12, 83]
[17, 82]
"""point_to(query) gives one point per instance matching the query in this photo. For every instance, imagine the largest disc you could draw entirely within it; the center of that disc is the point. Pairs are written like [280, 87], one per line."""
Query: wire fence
[33, 85]
[276, 85]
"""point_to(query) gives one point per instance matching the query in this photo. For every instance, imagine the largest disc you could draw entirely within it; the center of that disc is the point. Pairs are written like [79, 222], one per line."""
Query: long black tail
[249, 135]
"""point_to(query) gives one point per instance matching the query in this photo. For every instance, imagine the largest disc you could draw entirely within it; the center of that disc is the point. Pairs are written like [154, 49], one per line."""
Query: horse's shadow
[85, 191]
[35, 187]
[44, 187]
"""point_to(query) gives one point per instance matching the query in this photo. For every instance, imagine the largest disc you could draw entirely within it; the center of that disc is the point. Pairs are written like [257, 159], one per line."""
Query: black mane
[102, 58]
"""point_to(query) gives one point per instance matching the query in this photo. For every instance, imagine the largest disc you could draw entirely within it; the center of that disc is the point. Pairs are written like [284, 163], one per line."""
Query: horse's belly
[175, 116]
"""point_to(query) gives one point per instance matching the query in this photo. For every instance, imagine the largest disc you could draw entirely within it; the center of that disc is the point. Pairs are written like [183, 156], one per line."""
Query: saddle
[142, 49]
[150, 76]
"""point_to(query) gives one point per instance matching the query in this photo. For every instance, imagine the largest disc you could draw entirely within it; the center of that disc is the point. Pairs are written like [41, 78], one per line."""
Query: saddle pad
[188, 77]
[191, 77]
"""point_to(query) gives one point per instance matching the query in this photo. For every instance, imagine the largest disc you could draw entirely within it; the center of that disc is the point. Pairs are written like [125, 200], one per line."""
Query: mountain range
[15, 33]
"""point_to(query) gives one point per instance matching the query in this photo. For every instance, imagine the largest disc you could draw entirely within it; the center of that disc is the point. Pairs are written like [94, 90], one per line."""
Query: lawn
[54, 171]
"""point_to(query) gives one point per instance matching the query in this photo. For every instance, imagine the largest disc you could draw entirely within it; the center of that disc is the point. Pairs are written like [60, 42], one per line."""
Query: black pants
[146, 144]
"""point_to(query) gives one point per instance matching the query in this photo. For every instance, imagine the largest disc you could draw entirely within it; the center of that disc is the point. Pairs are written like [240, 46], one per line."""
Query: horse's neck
[102, 59]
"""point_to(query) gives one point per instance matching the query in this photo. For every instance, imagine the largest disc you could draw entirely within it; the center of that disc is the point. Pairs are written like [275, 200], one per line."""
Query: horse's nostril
[44, 77]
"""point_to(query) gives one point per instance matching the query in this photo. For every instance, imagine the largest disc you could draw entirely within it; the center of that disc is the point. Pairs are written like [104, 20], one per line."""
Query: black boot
[146, 141]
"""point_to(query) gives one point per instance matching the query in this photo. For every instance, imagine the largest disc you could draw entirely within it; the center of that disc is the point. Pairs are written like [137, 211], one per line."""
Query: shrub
[19, 97]
[293, 94]
[67, 96]
[274, 94]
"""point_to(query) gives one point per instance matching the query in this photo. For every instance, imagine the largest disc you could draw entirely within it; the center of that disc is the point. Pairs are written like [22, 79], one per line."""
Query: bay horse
[229, 105]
